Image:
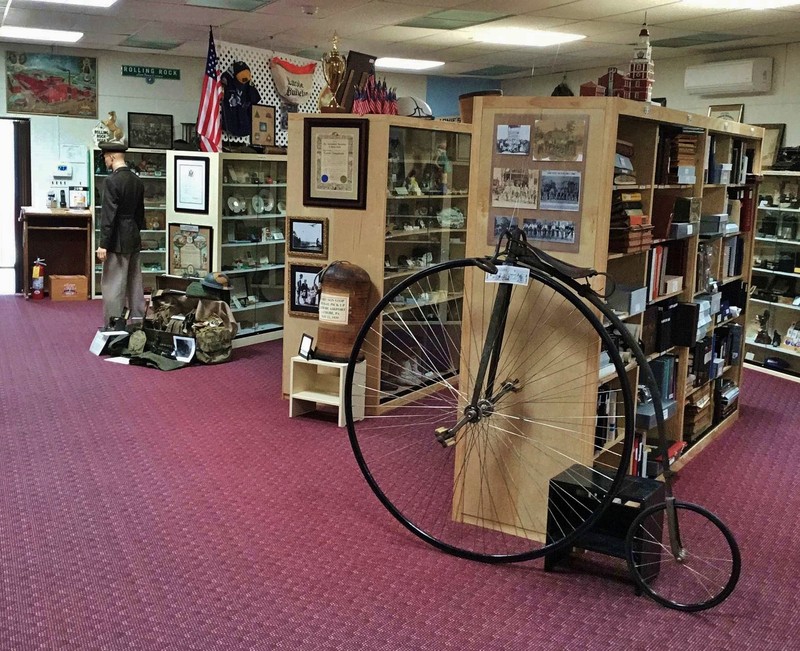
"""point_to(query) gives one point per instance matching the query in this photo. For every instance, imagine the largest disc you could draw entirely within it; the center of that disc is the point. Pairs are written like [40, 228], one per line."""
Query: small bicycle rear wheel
[499, 489]
[703, 572]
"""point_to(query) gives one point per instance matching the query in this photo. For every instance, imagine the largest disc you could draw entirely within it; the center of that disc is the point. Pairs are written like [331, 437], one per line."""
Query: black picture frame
[341, 144]
[150, 131]
[306, 348]
[303, 286]
[308, 237]
[190, 181]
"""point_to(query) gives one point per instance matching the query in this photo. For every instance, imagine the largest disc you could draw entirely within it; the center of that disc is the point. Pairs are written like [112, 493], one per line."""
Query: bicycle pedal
[445, 437]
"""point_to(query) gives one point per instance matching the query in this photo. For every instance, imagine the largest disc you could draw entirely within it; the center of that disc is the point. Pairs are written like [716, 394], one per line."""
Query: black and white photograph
[514, 139]
[515, 188]
[304, 288]
[150, 131]
[560, 138]
[501, 223]
[309, 237]
[550, 230]
[560, 190]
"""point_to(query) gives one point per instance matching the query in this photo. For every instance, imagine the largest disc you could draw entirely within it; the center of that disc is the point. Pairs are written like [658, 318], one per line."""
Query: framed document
[335, 162]
[190, 250]
[191, 184]
[772, 143]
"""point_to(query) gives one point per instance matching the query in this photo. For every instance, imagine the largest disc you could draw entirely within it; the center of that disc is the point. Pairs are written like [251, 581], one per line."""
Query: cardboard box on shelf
[69, 288]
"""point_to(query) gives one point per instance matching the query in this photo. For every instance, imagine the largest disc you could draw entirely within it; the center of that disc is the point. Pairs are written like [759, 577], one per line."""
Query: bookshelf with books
[645, 188]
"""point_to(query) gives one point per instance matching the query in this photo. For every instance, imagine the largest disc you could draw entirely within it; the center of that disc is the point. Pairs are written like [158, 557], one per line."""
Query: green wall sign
[151, 73]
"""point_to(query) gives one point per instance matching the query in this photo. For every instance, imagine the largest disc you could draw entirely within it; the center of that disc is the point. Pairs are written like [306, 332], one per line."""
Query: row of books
[631, 231]
[665, 264]
[676, 158]
[732, 256]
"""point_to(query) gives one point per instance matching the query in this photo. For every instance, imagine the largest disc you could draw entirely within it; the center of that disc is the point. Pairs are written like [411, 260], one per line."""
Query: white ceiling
[305, 28]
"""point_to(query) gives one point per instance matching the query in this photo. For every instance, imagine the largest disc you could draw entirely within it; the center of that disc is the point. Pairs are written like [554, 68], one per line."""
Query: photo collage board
[538, 165]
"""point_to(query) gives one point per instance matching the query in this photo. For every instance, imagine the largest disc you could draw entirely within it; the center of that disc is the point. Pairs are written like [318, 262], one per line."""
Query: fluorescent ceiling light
[524, 37]
[742, 4]
[82, 3]
[34, 34]
[406, 64]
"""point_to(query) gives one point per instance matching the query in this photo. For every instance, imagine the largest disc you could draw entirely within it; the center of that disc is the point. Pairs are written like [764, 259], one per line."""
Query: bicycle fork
[481, 407]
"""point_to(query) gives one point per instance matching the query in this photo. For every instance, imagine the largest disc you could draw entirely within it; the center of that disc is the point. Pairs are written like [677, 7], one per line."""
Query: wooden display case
[416, 213]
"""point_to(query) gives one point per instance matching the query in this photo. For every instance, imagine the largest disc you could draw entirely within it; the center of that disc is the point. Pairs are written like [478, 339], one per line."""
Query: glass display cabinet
[151, 166]
[426, 223]
[252, 239]
[773, 331]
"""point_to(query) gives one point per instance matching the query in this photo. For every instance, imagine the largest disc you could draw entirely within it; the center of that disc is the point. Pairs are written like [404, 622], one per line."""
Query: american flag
[209, 128]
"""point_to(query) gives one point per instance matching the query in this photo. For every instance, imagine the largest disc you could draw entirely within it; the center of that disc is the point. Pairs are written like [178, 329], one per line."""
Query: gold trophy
[333, 67]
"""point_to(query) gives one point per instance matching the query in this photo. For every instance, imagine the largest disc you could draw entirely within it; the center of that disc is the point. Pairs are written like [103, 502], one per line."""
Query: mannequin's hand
[101, 254]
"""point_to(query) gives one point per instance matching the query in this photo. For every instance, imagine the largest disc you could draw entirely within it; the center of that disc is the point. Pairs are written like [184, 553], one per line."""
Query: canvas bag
[215, 329]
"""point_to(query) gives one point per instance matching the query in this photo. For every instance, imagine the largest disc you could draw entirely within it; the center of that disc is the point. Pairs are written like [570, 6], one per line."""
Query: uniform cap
[110, 147]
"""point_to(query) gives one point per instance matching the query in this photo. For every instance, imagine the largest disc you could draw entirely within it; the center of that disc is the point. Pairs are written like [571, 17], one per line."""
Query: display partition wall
[678, 160]
[597, 182]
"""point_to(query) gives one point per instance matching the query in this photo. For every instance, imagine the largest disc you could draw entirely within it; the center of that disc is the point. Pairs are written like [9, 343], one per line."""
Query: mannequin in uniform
[121, 220]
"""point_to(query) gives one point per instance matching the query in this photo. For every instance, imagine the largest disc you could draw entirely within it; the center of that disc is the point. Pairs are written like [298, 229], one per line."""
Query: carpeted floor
[144, 510]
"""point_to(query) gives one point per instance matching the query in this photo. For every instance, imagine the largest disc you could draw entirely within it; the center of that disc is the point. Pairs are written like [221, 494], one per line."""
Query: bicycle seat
[565, 268]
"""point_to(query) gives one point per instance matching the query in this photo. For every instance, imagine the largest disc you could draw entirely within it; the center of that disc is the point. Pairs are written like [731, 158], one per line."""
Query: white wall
[180, 98]
[116, 93]
[781, 105]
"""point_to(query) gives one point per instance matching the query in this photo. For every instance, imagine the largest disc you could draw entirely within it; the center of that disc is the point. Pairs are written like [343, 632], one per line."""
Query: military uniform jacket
[122, 214]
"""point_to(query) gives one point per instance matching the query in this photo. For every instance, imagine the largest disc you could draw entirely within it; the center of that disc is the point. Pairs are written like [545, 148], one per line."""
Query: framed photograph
[734, 112]
[150, 131]
[263, 128]
[304, 288]
[306, 343]
[335, 162]
[190, 250]
[772, 143]
[560, 138]
[51, 84]
[309, 237]
[560, 190]
[191, 184]
[515, 188]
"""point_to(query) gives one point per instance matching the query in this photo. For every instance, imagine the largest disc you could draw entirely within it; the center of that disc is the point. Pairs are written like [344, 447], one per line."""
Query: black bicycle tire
[645, 587]
[586, 311]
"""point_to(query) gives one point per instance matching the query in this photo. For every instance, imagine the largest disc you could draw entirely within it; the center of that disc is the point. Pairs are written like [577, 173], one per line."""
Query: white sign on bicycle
[510, 274]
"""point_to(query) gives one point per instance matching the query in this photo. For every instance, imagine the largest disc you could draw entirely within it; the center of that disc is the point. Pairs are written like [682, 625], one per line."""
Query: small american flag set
[375, 98]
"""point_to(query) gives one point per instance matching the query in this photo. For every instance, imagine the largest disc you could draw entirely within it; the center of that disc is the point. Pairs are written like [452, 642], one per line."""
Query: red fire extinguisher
[37, 282]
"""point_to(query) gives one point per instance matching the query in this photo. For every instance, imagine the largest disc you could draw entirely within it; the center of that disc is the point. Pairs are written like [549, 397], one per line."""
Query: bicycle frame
[519, 252]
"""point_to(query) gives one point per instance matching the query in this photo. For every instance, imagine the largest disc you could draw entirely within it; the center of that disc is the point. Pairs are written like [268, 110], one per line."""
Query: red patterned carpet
[148, 510]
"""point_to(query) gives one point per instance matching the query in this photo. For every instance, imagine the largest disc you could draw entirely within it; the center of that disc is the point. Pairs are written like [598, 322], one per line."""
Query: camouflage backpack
[214, 344]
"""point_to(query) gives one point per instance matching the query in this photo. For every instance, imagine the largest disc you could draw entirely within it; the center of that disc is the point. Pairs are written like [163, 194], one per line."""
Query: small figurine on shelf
[413, 184]
[443, 164]
[762, 337]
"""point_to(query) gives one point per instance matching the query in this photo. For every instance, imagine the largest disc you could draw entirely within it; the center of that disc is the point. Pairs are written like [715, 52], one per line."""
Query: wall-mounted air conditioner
[744, 76]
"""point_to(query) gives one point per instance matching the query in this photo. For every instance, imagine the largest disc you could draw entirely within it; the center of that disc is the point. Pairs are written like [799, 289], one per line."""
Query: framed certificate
[335, 162]
[191, 184]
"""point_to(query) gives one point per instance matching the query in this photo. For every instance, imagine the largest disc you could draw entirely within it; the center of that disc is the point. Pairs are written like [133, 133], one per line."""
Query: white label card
[334, 308]
[510, 274]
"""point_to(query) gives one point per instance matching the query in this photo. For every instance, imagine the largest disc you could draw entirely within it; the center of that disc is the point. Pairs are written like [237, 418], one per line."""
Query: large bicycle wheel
[699, 574]
[501, 485]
